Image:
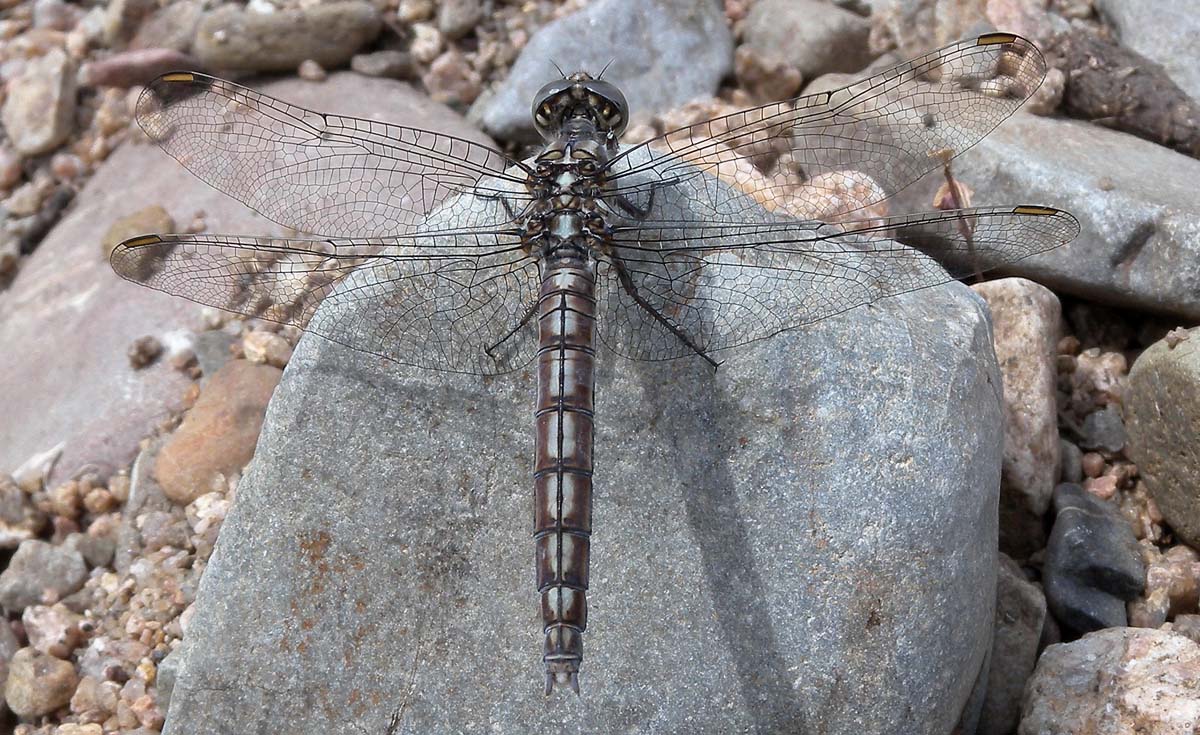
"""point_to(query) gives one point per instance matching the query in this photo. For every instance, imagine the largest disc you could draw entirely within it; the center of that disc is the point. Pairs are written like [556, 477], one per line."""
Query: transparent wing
[450, 302]
[724, 285]
[893, 127]
[316, 172]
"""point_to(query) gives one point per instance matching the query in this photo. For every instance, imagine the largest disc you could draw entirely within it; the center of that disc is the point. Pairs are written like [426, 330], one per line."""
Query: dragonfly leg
[633, 210]
[508, 208]
[627, 284]
[524, 320]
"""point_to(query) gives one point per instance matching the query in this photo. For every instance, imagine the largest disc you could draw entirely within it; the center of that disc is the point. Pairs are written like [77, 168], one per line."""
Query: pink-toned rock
[138, 66]
[266, 347]
[452, 81]
[1117, 681]
[218, 436]
[39, 111]
[66, 319]
[52, 630]
[1177, 574]
[95, 700]
[1187, 625]
[38, 684]
[1026, 318]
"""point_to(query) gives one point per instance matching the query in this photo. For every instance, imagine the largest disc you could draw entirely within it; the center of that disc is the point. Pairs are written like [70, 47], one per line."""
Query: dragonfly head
[580, 96]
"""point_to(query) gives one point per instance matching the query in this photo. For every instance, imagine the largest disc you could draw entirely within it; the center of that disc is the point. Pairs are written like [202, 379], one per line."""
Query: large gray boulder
[1135, 201]
[803, 539]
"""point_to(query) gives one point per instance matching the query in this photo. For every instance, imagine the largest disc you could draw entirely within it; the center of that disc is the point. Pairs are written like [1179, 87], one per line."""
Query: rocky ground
[127, 418]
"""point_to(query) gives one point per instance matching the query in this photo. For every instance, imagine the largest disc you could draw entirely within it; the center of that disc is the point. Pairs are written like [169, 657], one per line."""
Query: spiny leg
[523, 321]
[627, 284]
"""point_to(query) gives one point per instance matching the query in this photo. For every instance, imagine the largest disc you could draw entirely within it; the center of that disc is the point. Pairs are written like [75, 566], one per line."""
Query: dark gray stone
[1092, 565]
[664, 53]
[1167, 32]
[1103, 429]
[1072, 462]
[1020, 613]
[814, 37]
[1136, 203]
[764, 551]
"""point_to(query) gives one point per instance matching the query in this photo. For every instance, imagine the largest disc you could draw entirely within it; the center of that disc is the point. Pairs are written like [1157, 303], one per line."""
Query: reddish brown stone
[218, 436]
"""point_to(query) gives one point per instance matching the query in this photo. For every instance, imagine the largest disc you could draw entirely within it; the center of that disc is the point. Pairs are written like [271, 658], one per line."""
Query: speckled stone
[38, 684]
[1162, 407]
[1115, 682]
[806, 536]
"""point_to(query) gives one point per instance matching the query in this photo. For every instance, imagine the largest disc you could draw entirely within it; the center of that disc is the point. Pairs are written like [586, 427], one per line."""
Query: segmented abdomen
[563, 463]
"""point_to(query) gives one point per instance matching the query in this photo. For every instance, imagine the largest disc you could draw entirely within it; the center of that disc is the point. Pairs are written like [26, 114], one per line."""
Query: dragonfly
[450, 255]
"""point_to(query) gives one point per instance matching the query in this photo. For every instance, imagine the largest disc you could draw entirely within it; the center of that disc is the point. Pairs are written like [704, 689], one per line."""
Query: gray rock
[38, 567]
[1115, 682]
[1169, 34]
[1072, 462]
[1163, 405]
[1093, 566]
[1020, 612]
[1026, 317]
[1103, 429]
[169, 27]
[67, 319]
[8, 642]
[457, 18]
[663, 54]
[122, 19]
[97, 551]
[1135, 201]
[918, 26]
[20, 520]
[814, 37]
[105, 655]
[164, 679]
[763, 545]
[386, 63]
[39, 111]
[234, 37]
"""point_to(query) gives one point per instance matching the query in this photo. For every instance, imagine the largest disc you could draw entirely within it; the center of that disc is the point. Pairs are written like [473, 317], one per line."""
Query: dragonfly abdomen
[563, 462]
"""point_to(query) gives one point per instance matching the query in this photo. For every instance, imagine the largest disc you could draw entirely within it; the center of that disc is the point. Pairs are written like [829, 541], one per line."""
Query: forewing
[726, 285]
[316, 172]
[892, 127]
[444, 302]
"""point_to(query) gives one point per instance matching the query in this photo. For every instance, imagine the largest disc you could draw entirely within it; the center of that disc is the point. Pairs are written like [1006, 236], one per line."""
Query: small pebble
[427, 43]
[265, 347]
[311, 71]
[1102, 487]
[387, 63]
[143, 352]
[1093, 464]
[38, 684]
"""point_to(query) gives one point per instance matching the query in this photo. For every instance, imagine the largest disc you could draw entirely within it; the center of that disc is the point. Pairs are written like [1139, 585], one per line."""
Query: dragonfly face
[452, 256]
[580, 97]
